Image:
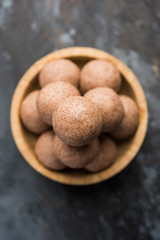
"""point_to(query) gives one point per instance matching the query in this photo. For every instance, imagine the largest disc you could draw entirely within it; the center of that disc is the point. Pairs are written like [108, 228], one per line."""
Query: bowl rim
[16, 126]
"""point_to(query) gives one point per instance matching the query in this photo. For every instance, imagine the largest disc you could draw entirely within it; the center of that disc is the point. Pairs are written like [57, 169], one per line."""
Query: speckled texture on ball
[30, 116]
[99, 73]
[77, 121]
[45, 151]
[109, 103]
[60, 70]
[75, 157]
[106, 155]
[130, 120]
[51, 96]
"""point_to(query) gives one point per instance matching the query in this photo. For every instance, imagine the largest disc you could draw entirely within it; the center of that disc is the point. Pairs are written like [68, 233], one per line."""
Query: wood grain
[25, 140]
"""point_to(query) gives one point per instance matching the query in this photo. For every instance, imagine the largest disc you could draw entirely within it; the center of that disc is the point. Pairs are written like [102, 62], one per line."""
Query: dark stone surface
[125, 207]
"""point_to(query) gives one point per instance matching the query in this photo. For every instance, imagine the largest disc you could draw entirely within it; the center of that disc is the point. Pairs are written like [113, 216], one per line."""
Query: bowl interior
[126, 149]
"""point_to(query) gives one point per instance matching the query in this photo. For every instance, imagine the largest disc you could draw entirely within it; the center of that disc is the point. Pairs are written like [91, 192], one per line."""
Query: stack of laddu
[79, 115]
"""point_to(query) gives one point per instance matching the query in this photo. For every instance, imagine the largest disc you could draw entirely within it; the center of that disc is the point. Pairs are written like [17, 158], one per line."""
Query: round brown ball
[77, 121]
[60, 70]
[110, 105]
[75, 157]
[99, 73]
[130, 121]
[51, 96]
[45, 151]
[30, 116]
[106, 155]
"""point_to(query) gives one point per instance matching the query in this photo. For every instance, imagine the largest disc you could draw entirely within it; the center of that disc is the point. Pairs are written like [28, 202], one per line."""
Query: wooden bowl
[25, 140]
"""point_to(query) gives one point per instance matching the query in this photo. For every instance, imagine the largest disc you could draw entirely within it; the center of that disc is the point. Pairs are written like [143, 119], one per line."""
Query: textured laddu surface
[30, 116]
[77, 121]
[45, 151]
[106, 155]
[110, 105]
[76, 157]
[125, 207]
[51, 96]
[99, 73]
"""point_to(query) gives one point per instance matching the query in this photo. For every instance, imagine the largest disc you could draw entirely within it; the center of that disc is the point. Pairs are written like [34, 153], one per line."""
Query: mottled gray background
[128, 205]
